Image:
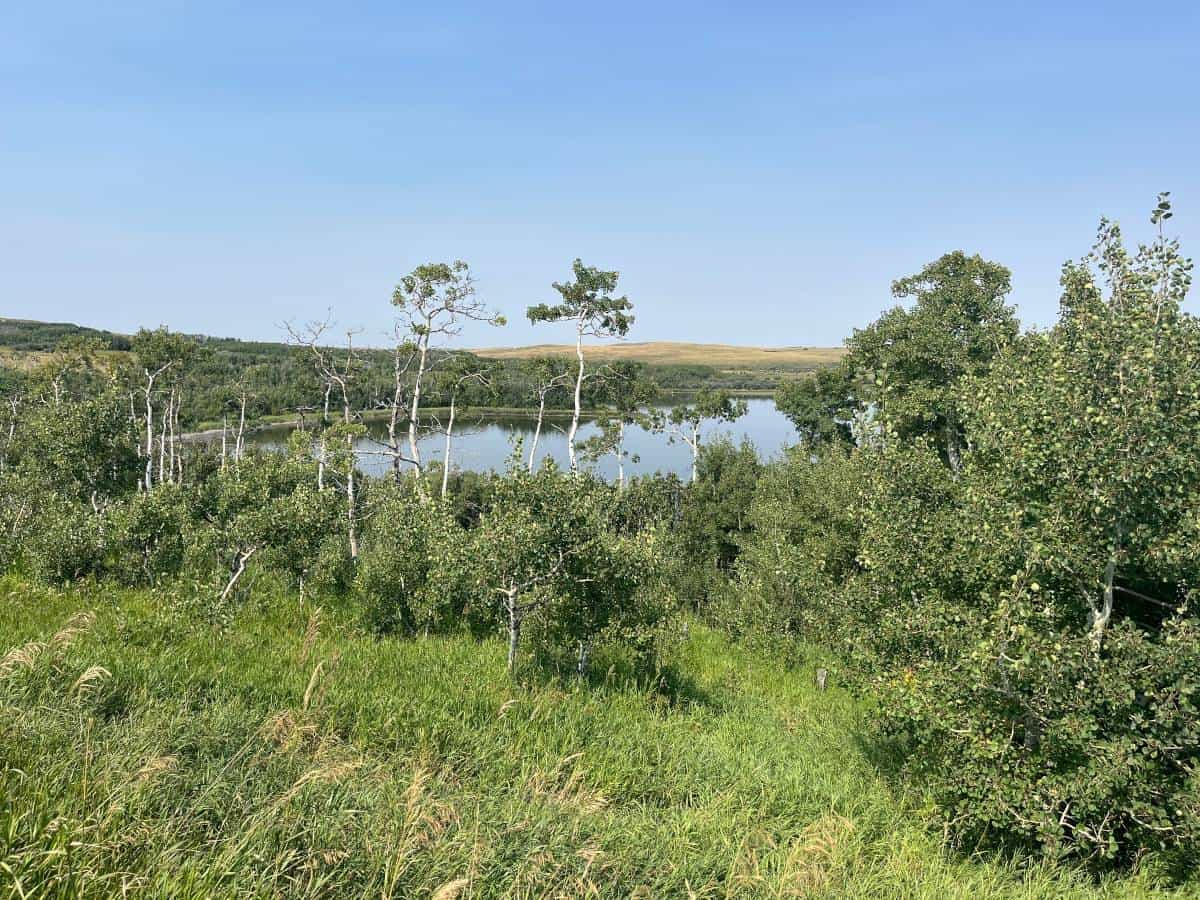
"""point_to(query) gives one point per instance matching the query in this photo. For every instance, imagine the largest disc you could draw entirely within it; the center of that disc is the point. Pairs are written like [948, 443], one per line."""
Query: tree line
[277, 380]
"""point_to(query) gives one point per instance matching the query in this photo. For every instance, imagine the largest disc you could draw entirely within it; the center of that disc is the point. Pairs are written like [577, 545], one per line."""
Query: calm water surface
[485, 440]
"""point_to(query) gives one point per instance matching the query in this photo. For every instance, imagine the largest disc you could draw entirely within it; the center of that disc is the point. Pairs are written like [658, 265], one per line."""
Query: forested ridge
[948, 644]
[280, 383]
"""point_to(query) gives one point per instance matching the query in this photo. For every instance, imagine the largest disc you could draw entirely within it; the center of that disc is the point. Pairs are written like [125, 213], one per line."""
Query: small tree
[548, 375]
[683, 422]
[454, 376]
[72, 370]
[161, 356]
[821, 406]
[434, 301]
[625, 391]
[914, 359]
[547, 556]
[338, 370]
[589, 304]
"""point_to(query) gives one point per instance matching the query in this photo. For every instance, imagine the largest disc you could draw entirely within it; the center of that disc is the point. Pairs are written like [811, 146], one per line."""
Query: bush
[713, 518]
[801, 549]
[547, 563]
[406, 570]
[150, 534]
[65, 541]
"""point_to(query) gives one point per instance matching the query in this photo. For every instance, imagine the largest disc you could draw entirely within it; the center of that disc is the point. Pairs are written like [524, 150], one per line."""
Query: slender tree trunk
[171, 436]
[620, 457]
[149, 479]
[177, 438]
[240, 446]
[537, 432]
[321, 449]
[514, 630]
[394, 419]
[578, 398]
[694, 443]
[162, 451]
[415, 412]
[953, 455]
[239, 569]
[446, 460]
[224, 438]
[1101, 617]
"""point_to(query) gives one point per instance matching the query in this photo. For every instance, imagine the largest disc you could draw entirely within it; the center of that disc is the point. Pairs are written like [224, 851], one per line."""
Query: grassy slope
[253, 763]
[721, 356]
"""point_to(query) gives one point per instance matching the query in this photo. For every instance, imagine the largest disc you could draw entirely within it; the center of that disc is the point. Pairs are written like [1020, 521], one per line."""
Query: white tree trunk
[177, 437]
[238, 570]
[171, 436]
[224, 439]
[694, 443]
[578, 398]
[415, 412]
[620, 457]
[537, 432]
[394, 419]
[162, 451]
[514, 629]
[149, 478]
[1102, 616]
[321, 449]
[240, 446]
[446, 459]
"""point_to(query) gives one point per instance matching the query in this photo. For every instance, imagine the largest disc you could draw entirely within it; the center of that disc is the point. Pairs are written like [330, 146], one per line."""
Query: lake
[484, 440]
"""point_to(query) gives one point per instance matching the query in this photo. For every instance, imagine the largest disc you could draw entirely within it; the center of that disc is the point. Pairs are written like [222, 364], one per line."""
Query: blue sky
[758, 172]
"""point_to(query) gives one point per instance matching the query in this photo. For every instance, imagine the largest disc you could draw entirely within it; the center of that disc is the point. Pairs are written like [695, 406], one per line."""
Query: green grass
[278, 758]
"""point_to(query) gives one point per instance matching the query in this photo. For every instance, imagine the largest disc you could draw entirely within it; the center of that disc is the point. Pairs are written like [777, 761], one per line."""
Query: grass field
[721, 356]
[290, 754]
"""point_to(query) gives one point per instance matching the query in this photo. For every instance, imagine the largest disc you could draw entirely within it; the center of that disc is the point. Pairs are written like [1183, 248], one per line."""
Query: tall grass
[293, 755]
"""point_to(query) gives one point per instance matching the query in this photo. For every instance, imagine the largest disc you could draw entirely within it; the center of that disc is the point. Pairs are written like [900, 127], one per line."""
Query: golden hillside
[721, 356]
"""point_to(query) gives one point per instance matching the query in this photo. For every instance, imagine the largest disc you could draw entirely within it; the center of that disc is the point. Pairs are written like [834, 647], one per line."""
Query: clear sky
[758, 172]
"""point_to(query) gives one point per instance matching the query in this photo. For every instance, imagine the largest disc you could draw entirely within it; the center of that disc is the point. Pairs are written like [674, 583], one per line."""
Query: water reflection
[486, 440]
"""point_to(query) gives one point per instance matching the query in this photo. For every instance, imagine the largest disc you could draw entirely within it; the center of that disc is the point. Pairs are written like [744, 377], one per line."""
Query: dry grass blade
[312, 634]
[88, 684]
[283, 730]
[451, 889]
[315, 690]
[416, 790]
[328, 773]
[158, 765]
[809, 862]
[22, 657]
[75, 626]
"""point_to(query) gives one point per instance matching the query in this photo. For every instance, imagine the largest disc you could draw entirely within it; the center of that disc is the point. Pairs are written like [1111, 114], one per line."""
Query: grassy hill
[146, 752]
[22, 339]
[721, 356]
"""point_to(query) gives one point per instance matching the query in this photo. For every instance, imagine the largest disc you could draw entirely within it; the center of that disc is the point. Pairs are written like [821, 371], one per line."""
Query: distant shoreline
[209, 431]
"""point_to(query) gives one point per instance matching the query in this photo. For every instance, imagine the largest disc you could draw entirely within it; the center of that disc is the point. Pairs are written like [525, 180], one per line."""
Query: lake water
[485, 440]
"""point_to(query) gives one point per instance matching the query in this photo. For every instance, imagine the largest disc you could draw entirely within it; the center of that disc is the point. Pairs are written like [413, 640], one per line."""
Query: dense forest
[947, 644]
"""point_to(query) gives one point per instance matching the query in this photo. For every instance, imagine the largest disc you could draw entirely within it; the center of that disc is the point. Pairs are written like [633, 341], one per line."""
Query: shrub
[412, 552]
